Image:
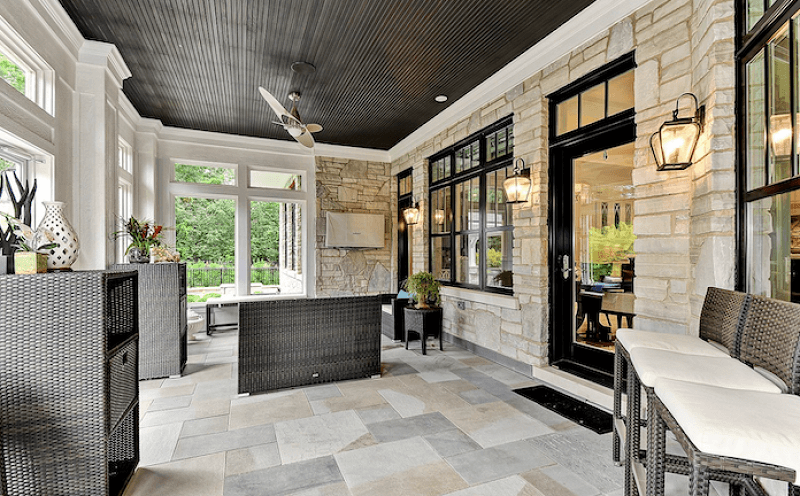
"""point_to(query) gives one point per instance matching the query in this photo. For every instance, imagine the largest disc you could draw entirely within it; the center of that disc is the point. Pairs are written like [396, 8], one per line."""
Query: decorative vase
[64, 255]
[135, 255]
[30, 262]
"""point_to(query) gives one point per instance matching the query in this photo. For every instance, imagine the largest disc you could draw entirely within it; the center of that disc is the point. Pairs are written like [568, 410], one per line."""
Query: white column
[99, 75]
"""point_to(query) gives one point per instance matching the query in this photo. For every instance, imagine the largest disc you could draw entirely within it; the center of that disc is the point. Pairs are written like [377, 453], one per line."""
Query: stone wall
[684, 220]
[357, 187]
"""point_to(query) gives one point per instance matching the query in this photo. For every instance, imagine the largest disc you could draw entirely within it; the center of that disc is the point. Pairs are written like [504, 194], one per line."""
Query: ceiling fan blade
[306, 140]
[274, 103]
[314, 128]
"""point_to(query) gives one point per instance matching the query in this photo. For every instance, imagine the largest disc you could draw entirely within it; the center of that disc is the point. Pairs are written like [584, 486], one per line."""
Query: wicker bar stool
[720, 321]
[751, 433]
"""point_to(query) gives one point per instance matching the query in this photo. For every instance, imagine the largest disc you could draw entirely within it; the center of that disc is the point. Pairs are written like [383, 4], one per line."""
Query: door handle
[566, 268]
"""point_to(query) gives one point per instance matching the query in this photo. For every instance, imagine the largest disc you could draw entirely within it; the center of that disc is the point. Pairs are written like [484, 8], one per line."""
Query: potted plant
[32, 246]
[424, 288]
[144, 235]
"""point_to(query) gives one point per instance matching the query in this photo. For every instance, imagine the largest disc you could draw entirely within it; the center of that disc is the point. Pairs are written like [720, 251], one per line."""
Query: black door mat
[579, 412]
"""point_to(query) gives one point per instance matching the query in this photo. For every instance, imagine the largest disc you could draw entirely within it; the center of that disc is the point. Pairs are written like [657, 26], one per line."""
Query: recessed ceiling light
[441, 98]
[303, 68]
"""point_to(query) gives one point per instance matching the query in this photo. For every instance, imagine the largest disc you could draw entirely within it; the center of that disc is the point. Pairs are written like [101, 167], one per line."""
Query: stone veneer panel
[684, 220]
[357, 187]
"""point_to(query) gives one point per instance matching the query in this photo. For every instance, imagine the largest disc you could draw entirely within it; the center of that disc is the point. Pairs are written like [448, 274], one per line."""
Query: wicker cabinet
[69, 399]
[162, 318]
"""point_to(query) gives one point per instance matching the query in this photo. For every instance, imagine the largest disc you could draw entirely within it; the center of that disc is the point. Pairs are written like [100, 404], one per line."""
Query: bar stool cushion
[750, 425]
[682, 343]
[716, 371]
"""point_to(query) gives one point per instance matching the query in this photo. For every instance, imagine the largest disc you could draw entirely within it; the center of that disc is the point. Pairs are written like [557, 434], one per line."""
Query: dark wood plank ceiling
[197, 63]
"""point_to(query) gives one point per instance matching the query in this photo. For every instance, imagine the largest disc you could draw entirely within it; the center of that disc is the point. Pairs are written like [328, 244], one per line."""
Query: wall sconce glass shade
[674, 143]
[780, 127]
[518, 186]
[438, 217]
[411, 215]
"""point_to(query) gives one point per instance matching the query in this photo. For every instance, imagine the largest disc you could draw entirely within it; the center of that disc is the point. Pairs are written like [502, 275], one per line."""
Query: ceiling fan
[291, 120]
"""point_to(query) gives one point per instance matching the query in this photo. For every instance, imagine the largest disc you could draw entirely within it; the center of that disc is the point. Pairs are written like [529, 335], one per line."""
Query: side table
[425, 322]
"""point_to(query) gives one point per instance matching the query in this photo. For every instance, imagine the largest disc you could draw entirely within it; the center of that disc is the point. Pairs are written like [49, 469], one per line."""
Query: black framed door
[591, 270]
[404, 247]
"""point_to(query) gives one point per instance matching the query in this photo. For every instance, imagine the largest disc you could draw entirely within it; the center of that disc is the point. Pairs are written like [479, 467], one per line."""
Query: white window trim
[243, 195]
[39, 76]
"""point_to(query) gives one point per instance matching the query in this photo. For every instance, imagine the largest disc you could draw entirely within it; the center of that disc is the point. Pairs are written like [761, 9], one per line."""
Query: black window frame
[749, 44]
[480, 171]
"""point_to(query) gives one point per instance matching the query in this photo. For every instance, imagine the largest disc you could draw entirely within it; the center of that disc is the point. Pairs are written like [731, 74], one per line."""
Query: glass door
[594, 262]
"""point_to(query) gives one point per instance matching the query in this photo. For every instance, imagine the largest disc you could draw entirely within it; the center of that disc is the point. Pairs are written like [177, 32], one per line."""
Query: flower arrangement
[143, 234]
[39, 241]
[424, 288]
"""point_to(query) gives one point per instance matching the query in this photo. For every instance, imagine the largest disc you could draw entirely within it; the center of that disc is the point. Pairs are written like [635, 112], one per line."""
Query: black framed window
[471, 228]
[768, 159]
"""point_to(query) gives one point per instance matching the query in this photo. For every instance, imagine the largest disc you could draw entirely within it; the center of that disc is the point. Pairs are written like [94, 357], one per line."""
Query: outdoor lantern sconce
[781, 134]
[518, 187]
[411, 214]
[438, 216]
[674, 143]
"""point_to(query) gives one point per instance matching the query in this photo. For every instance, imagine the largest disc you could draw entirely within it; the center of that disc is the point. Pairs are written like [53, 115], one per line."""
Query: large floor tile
[233, 439]
[244, 460]
[285, 480]
[268, 409]
[201, 476]
[492, 424]
[489, 464]
[378, 462]
[510, 486]
[157, 444]
[404, 428]
[318, 436]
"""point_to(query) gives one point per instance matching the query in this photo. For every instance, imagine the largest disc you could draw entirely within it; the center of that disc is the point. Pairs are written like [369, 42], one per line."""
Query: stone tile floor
[445, 423]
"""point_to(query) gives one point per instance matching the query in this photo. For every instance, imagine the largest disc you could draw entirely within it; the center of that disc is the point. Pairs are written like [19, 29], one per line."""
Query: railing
[204, 277]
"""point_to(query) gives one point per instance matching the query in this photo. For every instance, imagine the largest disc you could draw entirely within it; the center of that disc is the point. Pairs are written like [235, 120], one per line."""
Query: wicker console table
[162, 318]
[287, 343]
[69, 397]
[425, 322]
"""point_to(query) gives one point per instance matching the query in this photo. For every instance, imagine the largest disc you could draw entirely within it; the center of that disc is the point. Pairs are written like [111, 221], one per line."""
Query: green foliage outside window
[201, 174]
[12, 73]
[6, 165]
[205, 228]
[608, 245]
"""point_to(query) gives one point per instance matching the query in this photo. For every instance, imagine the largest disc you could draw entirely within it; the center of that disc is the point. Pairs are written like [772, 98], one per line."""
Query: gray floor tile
[372, 415]
[586, 454]
[214, 443]
[322, 392]
[452, 442]
[285, 479]
[171, 403]
[210, 425]
[244, 460]
[404, 428]
[477, 396]
[501, 461]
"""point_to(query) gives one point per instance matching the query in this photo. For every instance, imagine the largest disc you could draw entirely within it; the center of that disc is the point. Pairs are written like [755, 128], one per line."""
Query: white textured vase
[62, 257]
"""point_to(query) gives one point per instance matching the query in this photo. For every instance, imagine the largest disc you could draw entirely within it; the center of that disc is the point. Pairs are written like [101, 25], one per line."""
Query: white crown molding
[168, 133]
[351, 153]
[68, 32]
[105, 54]
[590, 22]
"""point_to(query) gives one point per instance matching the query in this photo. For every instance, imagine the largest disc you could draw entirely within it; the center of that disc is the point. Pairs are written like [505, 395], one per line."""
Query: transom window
[595, 104]
[471, 227]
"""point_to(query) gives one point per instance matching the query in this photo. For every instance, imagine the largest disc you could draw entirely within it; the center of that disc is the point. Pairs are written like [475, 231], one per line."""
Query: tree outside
[205, 233]
[12, 73]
